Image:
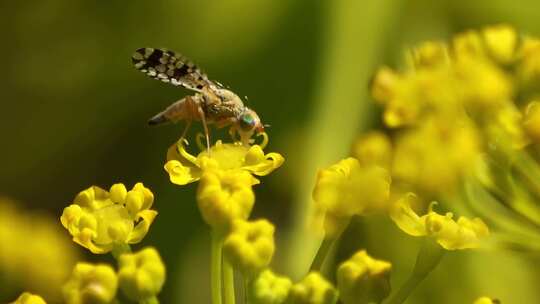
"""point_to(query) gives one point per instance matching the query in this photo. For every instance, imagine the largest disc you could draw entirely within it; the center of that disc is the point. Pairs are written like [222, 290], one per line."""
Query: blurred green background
[74, 114]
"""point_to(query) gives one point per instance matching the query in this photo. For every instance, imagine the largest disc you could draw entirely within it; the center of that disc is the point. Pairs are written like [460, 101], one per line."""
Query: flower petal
[180, 174]
[141, 229]
[405, 218]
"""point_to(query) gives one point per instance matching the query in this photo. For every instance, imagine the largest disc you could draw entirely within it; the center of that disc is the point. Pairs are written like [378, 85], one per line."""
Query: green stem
[246, 290]
[326, 245]
[120, 249]
[318, 261]
[228, 282]
[217, 243]
[428, 258]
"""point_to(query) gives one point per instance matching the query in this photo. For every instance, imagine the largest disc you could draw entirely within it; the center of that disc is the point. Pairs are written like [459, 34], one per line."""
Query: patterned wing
[171, 67]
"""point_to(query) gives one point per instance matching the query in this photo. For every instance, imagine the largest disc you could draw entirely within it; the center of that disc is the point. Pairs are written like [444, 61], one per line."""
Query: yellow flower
[501, 42]
[28, 298]
[362, 279]
[100, 220]
[269, 288]
[141, 275]
[184, 168]
[91, 284]
[429, 54]
[436, 155]
[250, 245]
[486, 300]
[346, 189]
[384, 85]
[30, 240]
[468, 44]
[224, 196]
[482, 84]
[529, 66]
[373, 148]
[313, 289]
[451, 235]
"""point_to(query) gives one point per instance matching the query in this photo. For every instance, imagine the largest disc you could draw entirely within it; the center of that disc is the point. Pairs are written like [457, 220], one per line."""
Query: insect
[211, 103]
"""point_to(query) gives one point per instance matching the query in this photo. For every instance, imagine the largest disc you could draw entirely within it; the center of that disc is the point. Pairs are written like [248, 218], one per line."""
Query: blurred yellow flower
[313, 289]
[346, 189]
[91, 284]
[224, 196]
[250, 245]
[373, 148]
[384, 85]
[362, 279]
[184, 168]
[451, 235]
[486, 300]
[141, 275]
[29, 241]
[429, 54]
[501, 42]
[28, 298]
[434, 156]
[528, 68]
[100, 220]
[467, 44]
[269, 288]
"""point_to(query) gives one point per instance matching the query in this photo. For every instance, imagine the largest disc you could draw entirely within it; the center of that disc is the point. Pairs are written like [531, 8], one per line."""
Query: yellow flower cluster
[454, 102]
[451, 235]
[226, 173]
[184, 168]
[30, 241]
[100, 220]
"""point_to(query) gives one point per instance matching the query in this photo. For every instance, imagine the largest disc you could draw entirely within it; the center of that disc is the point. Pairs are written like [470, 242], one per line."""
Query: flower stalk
[216, 259]
[120, 249]
[228, 282]
[428, 258]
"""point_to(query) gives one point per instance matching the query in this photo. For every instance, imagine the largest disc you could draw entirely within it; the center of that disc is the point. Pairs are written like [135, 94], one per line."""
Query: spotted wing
[170, 67]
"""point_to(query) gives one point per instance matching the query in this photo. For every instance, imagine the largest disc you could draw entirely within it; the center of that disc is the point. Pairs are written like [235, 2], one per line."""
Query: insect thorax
[222, 104]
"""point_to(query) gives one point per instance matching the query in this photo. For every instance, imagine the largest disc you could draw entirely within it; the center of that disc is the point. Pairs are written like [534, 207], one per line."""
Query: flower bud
[141, 275]
[486, 300]
[501, 41]
[313, 289]
[91, 284]
[224, 196]
[269, 288]
[362, 279]
[28, 298]
[250, 245]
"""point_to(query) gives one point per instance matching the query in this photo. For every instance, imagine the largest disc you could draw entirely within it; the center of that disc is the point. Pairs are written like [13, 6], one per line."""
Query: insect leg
[186, 128]
[205, 126]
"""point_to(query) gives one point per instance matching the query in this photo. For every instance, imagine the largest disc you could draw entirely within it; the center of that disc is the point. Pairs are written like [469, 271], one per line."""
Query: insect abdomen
[158, 119]
[184, 109]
